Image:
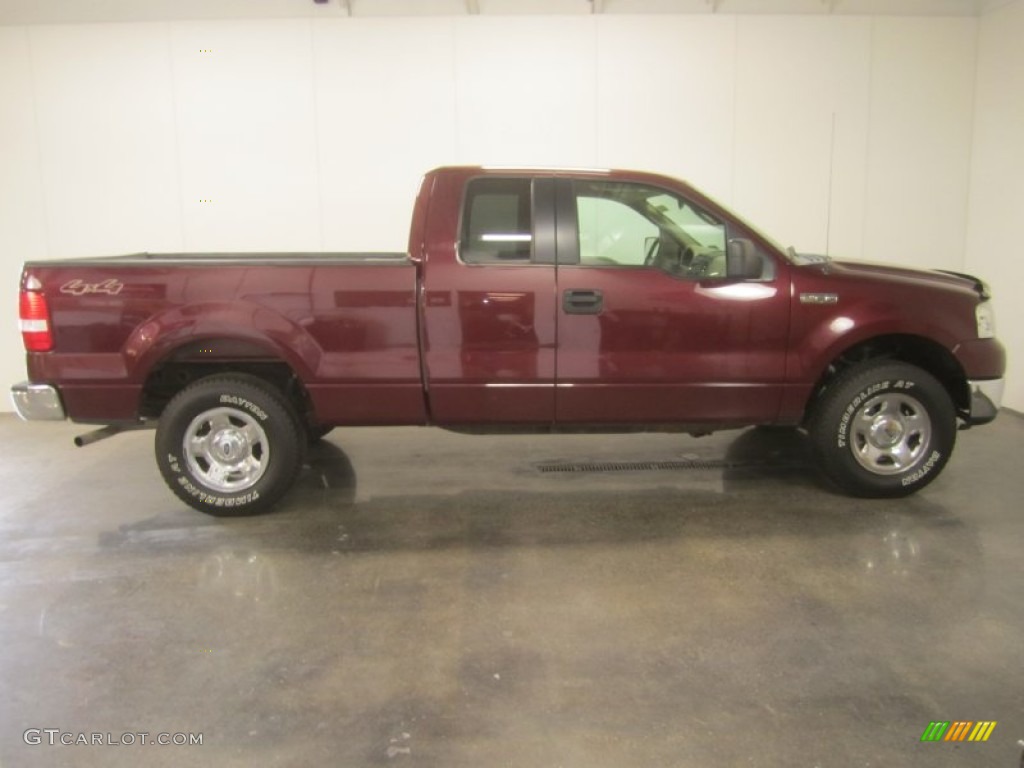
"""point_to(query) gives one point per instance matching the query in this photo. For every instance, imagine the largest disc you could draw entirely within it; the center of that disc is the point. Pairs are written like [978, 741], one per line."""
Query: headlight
[985, 314]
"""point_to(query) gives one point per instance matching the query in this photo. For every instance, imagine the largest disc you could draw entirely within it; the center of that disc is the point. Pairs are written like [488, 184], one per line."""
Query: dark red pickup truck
[535, 300]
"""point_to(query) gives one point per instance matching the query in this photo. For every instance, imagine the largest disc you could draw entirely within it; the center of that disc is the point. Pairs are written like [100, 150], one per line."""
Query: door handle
[582, 302]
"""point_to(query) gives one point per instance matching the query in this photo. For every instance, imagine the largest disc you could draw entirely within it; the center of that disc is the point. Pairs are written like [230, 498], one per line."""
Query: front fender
[822, 333]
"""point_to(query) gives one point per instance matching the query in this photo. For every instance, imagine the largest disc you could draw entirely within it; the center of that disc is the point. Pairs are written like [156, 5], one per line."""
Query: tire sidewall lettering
[921, 472]
[842, 433]
[215, 500]
[241, 402]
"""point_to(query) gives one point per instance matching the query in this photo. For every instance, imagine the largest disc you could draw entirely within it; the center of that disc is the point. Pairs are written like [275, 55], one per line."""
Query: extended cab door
[489, 300]
[651, 327]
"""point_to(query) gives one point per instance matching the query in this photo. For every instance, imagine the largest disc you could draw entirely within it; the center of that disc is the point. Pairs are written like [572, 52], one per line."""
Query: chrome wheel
[890, 433]
[226, 449]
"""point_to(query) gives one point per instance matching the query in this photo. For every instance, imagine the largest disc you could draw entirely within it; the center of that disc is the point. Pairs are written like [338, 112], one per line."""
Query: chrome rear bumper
[37, 402]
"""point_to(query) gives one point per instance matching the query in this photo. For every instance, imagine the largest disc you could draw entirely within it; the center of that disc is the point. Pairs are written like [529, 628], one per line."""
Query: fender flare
[161, 335]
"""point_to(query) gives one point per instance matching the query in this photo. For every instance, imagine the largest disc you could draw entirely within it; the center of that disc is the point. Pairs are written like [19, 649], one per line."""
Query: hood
[888, 272]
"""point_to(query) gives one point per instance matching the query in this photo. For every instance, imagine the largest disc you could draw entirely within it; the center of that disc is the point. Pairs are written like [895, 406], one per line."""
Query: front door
[651, 328]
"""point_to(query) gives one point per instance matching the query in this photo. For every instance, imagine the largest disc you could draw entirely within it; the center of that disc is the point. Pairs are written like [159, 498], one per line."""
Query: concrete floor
[430, 599]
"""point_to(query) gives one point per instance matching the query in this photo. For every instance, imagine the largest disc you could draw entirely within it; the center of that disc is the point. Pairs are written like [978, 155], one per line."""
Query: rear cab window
[497, 221]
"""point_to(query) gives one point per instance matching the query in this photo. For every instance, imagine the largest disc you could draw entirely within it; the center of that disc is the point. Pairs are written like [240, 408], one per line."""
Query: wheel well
[197, 360]
[914, 350]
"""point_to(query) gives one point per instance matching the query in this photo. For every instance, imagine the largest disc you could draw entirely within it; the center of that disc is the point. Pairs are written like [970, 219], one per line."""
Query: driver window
[633, 225]
[611, 233]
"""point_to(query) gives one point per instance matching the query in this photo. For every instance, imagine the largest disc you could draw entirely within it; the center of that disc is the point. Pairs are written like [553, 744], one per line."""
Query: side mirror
[743, 260]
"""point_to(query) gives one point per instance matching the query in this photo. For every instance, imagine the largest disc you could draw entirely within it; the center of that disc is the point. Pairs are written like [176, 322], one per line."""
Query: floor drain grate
[636, 466]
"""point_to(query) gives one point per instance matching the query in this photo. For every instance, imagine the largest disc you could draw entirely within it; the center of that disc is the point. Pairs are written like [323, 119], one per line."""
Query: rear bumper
[37, 402]
[986, 398]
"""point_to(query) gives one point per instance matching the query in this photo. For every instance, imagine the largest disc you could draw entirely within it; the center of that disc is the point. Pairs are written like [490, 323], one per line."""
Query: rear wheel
[883, 429]
[229, 445]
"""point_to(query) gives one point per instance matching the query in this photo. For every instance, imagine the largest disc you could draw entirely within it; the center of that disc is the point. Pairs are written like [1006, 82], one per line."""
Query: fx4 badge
[80, 287]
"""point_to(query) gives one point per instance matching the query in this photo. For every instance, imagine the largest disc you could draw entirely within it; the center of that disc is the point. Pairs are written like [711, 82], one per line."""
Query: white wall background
[994, 247]
[847, 132]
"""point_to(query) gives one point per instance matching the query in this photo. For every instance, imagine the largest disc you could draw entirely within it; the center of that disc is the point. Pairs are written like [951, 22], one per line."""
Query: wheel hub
[229, 445]
[890, 433]
[886, 432]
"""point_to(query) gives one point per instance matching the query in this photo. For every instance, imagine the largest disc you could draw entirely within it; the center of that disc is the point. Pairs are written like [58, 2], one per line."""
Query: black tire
[246, 445]
[883, 429]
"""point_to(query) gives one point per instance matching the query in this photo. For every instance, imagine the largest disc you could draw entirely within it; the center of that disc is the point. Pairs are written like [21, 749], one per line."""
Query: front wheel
[883, 429]
[229, 445]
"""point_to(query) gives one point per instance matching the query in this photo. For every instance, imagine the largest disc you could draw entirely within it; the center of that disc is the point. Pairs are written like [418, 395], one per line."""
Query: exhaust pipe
[98, 434]
[109, 431]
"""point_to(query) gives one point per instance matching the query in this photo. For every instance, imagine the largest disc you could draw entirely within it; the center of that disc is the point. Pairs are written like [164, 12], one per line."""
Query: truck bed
[345, 323]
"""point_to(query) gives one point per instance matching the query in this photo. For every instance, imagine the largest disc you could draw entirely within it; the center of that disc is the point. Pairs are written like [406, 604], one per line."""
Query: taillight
[35, 318]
